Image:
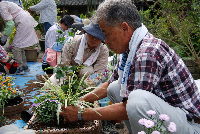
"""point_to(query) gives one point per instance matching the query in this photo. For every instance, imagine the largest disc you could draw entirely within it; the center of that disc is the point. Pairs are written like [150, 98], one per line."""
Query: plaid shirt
[158, 69]
[3, 53]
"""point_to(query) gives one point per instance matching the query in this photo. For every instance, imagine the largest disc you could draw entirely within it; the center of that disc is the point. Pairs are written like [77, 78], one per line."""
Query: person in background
[86, 22]
[76, 19]
[87, 50]
[25, 36]
[52, 35]
[18, 2]
[7, 64]
[48, 13]
[79, 20]
[149, 76]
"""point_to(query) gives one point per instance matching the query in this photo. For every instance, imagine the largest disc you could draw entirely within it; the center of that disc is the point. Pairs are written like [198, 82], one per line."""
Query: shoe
[20, 72]
[26, 69]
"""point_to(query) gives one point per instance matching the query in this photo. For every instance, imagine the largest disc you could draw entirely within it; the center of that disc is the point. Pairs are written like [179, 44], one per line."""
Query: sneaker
[26, 69]
[20, 72]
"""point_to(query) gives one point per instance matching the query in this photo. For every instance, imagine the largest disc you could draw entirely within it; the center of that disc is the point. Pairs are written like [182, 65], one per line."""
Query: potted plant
[47, 107]
[11, 101]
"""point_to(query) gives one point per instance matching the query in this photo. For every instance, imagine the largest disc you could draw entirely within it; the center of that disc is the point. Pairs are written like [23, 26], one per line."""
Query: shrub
[177, 23]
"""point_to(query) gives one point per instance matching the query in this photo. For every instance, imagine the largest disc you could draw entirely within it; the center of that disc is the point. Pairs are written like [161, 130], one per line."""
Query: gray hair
[117, 11]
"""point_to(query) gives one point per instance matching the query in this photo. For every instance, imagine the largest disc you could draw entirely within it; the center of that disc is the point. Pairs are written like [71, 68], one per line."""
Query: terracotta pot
[9, 110]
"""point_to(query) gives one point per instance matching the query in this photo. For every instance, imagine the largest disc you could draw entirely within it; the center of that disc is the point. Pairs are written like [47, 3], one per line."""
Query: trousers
[140, 101]
[19, 56]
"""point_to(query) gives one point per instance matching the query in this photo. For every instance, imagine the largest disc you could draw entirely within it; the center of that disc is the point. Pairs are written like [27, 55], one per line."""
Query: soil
[14, 101]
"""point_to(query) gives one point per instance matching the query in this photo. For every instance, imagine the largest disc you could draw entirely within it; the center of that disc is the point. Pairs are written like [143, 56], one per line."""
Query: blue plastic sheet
[21, 80]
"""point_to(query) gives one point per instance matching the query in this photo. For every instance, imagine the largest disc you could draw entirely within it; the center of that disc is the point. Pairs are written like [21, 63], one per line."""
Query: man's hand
[70, 113]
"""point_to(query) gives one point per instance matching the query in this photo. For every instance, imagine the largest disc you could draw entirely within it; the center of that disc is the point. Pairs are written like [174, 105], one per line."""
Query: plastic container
[104, 102]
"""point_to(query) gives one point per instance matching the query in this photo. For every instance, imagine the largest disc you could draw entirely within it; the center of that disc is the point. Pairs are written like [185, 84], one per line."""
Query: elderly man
[150, 75]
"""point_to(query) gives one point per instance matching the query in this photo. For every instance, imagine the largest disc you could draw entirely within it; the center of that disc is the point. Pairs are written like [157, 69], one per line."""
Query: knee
[141, 95]
[113, 87]
[139, 100]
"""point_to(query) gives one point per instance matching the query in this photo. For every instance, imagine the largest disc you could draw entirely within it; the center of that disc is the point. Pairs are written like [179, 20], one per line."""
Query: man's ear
[124, 26]
[128, 31]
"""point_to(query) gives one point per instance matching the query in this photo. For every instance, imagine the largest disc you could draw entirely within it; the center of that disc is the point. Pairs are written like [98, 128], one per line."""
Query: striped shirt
[25, 35]
[158, 69]
[50, 39]
[52, 35]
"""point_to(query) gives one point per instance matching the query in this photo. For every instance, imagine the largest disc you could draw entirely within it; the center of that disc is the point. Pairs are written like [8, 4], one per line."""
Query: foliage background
[177, 22]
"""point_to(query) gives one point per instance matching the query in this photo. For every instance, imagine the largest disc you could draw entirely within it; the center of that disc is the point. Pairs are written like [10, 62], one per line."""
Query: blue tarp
[21, 80]
[35, 69]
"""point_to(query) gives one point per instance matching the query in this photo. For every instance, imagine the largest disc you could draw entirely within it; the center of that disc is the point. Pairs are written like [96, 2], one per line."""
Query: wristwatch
[80, 111]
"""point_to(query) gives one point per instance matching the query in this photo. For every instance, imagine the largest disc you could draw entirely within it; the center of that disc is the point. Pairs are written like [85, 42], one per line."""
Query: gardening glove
[3, 40]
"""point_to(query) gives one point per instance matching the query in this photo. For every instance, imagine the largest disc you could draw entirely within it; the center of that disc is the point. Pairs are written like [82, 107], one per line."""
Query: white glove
[3, 39]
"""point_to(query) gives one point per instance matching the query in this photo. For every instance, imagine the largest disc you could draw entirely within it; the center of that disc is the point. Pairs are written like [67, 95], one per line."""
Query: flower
[172, 127]
[7, 91]
[142, 132]
[164, 117]
[149, 124]
[78, 31]
[142, 121]
[151, 112]
[155, 132]
[151, 128]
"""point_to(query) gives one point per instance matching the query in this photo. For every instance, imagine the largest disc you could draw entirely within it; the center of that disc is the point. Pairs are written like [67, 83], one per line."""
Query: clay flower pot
[13, 109]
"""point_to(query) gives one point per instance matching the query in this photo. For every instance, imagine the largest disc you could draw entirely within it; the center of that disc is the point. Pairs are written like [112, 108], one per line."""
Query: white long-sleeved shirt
[47, 10]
